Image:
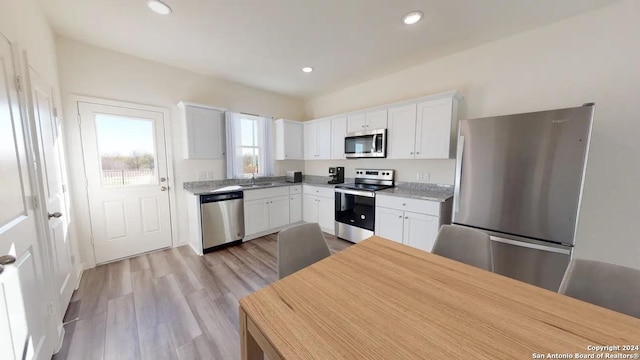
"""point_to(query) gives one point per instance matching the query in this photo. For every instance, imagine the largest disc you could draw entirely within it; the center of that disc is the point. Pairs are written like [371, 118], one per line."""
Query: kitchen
[552, 60]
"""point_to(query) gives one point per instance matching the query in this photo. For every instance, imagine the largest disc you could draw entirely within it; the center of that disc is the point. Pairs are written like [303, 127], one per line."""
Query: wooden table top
[382, 300]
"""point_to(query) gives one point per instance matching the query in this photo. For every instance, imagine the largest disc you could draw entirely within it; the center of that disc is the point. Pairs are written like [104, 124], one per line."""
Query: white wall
[91, 71]
[593, 57]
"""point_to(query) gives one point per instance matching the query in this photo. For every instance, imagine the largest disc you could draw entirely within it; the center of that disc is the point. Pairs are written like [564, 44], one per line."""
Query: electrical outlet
[427, 176]
[419, 176]
[202, 175]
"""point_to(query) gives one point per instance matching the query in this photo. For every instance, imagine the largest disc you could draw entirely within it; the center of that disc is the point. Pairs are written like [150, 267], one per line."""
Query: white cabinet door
[293, 141]
[310, 140]
[278, 211]
[338, 132]
[326, 214]
[323, 142]
[420, 230]
[376, 120]
[401, 132]
[295, 208]
[256, 216]
[204, 131]
[389, 223]
[288, 140]
[310, 208]
[433, 130]
[356, 122]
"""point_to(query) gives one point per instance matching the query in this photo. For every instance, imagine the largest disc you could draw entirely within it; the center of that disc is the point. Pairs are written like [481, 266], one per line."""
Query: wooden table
[383, 300]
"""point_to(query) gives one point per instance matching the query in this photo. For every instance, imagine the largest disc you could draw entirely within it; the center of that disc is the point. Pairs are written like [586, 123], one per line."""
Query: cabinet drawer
[318, 191]
[295, 189]
[406, 204]
[265, 193]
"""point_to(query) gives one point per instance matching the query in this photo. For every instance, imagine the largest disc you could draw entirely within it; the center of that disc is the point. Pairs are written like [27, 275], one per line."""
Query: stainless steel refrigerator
[520, 178]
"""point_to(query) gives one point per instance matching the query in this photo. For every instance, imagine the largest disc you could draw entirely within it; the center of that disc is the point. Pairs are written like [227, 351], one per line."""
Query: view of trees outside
[137, 168]
[127, 150]
[250, 148]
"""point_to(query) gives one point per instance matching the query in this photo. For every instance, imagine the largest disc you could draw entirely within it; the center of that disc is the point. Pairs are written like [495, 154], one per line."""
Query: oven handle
[356, 192]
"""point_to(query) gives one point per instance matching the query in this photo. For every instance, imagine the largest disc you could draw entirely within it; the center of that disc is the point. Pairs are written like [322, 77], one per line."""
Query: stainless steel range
[356, 203]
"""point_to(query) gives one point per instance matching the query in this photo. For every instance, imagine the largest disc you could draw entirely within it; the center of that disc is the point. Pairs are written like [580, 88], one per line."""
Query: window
[248, 146]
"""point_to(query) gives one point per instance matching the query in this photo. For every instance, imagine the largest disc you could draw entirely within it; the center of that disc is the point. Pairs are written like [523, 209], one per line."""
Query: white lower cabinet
[278, 211]
[256, 216]
[318, 206]
[420, 230]
[409, 221]
[390, 223]
[295, 208]
[268, 210]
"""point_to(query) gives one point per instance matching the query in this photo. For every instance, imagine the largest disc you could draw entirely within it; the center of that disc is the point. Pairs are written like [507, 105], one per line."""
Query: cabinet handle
[418, 152]
[404, 204]
[400, 217]
[406, 217]
[411, 153]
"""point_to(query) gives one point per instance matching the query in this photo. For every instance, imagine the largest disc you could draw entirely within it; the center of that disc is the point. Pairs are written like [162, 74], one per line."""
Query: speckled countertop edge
[421, 191]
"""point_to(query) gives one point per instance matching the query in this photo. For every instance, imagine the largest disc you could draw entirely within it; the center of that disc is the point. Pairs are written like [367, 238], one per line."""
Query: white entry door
[24, 295]
[126, 169]
[49, 140]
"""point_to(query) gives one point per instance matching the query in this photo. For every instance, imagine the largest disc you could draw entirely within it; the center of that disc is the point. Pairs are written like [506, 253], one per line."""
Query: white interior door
[50, 148]
[23, 291]
[126, 168]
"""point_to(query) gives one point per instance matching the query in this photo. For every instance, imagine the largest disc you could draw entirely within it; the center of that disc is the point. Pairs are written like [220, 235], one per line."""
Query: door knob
[54, 215]
[164, 188]
[7, 259]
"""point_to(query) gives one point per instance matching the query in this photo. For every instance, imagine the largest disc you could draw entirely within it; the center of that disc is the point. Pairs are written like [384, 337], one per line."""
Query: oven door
[355, 208]
[366, 144]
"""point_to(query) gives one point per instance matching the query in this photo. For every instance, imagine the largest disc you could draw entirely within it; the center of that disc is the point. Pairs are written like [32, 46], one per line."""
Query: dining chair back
[611, 286]
[300, 246]
[465, 245]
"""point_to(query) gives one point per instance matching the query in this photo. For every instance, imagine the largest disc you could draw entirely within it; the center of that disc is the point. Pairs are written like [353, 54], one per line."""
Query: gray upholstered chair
[300, 246]
[612, 286]
[465, 245]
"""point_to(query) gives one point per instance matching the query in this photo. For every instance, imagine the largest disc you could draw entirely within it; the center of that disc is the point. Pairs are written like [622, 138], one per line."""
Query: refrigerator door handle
[531, 245]
[456, 190]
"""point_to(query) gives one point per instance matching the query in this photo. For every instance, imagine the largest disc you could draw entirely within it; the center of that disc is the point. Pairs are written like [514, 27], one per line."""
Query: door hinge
[64, 188]
[91, 238]
[55, 112]
[34, 199]
[18, 83]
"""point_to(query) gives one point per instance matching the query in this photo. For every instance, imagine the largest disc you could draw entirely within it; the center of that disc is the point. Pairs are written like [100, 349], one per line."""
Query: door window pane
[126, 147]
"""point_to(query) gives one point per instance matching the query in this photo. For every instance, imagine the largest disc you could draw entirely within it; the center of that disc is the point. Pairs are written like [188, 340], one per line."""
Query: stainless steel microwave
[366, 144]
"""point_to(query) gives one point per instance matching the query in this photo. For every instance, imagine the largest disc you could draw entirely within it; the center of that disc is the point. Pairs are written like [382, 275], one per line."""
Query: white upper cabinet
[401, 132]
[317, 140]
[376, 120]
[437, 126]
[338, 132]
[364, 121]
[289, 140]
[425, 129]
[204, 131]
[356, 122]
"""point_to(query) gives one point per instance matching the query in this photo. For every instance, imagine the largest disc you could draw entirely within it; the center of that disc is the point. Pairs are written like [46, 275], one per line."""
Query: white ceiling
[265, 43]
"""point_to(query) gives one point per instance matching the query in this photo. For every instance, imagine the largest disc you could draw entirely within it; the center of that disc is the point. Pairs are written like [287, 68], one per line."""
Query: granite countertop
[222, 186]
[419, 191]
[432, 192]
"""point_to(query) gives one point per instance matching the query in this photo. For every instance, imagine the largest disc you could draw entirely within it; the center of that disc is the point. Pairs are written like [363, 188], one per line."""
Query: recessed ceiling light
[159, 7]
[307, 69]
[412, 17]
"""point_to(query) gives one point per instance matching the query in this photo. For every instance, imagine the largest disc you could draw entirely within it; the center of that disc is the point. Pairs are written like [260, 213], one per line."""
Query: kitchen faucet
[253, 178]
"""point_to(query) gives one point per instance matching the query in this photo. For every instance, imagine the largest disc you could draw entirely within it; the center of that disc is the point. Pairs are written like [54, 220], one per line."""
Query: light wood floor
[170, 304]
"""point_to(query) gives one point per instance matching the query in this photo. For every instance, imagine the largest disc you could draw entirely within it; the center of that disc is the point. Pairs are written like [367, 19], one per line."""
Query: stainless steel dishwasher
[222, 219]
